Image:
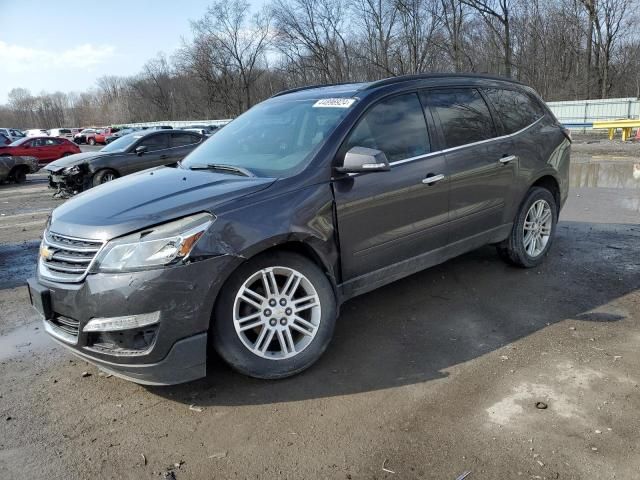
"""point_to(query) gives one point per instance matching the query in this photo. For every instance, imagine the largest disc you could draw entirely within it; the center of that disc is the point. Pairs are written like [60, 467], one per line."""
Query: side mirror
[361, 159]
[140, 150]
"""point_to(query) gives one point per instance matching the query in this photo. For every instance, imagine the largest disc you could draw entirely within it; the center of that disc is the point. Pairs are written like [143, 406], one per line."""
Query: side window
[182, 139]
[38, 142]
[156, 142]
[515, 109]
[395, 126]
[463, 114]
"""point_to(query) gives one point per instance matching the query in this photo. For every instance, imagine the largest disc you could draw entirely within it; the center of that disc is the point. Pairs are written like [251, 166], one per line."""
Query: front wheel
[532, 232]
[275, 316]
[104, 176]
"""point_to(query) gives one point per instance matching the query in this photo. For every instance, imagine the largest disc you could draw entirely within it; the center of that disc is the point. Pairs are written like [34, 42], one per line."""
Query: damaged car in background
[15, 169]
[128, 154]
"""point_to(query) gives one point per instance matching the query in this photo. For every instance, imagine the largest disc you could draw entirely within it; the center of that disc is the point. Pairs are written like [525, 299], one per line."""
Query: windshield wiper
[223, 168]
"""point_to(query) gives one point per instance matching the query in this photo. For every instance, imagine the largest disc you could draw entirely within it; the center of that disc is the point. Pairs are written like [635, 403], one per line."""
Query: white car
[37, 132]
[12, 134]
[61, 132]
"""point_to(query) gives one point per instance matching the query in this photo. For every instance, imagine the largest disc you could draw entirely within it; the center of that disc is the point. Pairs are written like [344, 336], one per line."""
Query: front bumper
[174, 350]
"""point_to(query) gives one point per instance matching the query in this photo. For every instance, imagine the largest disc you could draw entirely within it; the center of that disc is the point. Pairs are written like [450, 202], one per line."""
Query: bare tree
[311, 35]
[242, 41]
[235, 58]
[497, 15]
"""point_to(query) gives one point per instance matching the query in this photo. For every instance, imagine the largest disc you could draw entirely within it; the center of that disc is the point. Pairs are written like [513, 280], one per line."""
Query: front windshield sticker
[334, 103]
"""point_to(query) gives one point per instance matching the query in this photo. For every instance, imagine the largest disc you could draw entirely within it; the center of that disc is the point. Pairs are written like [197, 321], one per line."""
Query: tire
[92, 141]
[529, 250]
[103, 176]
[19, 175]
[66, 154]
[241, 349]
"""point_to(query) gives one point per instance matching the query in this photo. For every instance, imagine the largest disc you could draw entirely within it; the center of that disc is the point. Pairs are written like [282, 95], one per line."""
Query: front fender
[304, 217]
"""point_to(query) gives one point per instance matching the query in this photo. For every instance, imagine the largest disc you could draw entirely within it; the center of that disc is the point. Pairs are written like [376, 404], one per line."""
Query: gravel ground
[430, 377]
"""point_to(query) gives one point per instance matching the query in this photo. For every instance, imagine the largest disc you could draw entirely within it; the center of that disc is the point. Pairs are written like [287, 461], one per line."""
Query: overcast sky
[66, 46]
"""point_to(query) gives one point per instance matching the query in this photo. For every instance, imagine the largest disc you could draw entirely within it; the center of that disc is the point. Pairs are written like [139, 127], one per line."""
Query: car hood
[147, 198]
[71, 160]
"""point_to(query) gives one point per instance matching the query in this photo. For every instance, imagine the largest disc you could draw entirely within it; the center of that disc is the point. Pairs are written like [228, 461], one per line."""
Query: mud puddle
[30, 338]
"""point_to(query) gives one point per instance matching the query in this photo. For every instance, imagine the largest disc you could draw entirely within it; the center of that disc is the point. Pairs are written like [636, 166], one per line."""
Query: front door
[481, 164]
[388, 217]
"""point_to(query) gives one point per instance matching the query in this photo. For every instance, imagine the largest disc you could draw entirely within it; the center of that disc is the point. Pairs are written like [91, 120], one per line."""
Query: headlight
[164, 244]
[71, 170]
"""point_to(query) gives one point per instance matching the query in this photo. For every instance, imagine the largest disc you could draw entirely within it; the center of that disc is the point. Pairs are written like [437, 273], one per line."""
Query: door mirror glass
[361, 159]
[141, 149]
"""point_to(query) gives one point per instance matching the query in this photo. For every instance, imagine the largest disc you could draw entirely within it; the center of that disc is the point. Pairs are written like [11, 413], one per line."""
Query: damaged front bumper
[68, 184]
[149, 327]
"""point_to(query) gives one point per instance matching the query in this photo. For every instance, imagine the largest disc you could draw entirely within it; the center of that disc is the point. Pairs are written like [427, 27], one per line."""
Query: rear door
[181, 144]
[480, 161]
[388, 217]
[57, 146]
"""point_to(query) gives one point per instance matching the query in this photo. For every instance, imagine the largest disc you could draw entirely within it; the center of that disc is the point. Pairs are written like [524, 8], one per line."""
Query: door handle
[507, 159]
[162, 157]
[431, 179]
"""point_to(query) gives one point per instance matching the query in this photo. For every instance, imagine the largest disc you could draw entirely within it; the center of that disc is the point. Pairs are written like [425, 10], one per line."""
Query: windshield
[272, 139]
[88, 130]
[121, 144]
[19, 142]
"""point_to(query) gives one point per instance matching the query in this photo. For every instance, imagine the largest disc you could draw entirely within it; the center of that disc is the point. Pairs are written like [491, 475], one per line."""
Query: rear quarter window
[516, 110]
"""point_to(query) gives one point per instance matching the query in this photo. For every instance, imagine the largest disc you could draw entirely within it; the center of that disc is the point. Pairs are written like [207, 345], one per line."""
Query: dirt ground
[430, 377]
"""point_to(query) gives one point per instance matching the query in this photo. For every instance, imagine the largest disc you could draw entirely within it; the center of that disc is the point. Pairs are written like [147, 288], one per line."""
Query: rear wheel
[104, 176]
[275, 316]
[92, 141]
[532, 232]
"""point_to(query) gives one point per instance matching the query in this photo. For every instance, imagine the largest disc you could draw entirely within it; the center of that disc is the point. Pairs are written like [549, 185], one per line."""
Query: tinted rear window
[464, 115]
[156, 142]
[516, 109]
[181, 139]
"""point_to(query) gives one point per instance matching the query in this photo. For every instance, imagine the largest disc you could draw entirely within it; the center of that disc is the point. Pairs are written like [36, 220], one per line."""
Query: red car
[45, 149]
[102, 134]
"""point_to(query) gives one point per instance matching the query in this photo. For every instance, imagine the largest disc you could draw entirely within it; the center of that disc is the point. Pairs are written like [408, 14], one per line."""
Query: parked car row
[44, 149]
[168, 145]
[130, 153]
[11, 134]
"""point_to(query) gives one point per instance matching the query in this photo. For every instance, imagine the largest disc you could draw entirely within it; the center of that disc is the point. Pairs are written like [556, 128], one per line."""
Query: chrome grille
[68, 258]
[63, 328]
[67, 325]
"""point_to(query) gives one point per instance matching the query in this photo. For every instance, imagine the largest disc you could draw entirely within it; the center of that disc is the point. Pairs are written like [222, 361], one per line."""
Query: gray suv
[249, 246]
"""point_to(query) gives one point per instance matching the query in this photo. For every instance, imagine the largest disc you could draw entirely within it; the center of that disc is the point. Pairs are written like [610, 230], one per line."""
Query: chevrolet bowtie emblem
[46, 253]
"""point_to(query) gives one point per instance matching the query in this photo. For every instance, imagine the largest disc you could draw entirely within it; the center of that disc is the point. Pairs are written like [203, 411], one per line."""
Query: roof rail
[426, 76]
[309, 87]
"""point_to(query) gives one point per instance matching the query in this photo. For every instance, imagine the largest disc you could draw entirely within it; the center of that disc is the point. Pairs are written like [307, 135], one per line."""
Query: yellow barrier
[613, 125]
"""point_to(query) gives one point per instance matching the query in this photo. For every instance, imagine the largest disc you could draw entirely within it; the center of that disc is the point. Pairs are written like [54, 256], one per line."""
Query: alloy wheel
[276, 313]
[537, 228]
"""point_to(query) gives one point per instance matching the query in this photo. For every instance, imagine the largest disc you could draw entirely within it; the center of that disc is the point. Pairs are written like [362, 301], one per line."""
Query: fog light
[127, 322]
